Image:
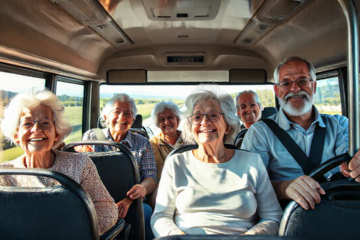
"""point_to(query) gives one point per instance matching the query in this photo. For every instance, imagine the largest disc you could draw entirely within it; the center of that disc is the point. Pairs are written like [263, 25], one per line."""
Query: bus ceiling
[86, 39]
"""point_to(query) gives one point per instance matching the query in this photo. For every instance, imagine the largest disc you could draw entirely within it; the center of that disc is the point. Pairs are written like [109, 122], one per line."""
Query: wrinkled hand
[353, 170]
[84, 148]
[305, 191]
[123, 207]
[137, 191]
[176, 232]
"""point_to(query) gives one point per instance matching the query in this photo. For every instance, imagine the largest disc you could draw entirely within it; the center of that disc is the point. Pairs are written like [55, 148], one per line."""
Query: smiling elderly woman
[36, 123]
[166, 116]
[212, 189]
[119, 114]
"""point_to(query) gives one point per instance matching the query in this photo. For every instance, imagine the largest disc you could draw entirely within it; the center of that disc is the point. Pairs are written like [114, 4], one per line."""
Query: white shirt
[209, 198]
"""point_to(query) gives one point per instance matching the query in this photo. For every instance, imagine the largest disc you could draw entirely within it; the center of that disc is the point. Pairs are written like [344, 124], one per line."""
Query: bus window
[12, 84]
[147, 96]
[72, 95]
[327, 97]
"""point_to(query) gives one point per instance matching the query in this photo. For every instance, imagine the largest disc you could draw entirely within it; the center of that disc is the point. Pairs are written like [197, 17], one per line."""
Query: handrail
[353, 74]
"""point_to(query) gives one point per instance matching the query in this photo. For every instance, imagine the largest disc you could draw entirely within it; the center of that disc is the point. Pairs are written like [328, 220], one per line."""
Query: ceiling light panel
[92, 14]
[181, 10]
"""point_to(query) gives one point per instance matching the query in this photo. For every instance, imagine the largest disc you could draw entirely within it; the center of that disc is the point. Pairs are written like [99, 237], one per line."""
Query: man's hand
[305, 191]
[84, 148]
[353, 170]
[137, 191]
[123, 207]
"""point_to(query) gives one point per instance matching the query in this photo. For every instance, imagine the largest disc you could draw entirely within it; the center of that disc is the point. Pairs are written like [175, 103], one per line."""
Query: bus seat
[333, 218]
[189, 147]
[62, 212]
[137, 122]
[267, 112]
[119, 172]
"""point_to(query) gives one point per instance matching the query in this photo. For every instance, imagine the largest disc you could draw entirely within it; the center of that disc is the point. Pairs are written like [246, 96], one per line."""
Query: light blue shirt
[278, 161]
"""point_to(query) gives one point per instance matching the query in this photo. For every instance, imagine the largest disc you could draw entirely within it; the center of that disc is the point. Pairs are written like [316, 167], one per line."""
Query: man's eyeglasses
[197, 118]
[127, 114]
[42, 124]
[287, 84]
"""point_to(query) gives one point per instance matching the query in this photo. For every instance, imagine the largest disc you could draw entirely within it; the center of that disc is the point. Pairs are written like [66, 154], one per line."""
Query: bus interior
[85, 51]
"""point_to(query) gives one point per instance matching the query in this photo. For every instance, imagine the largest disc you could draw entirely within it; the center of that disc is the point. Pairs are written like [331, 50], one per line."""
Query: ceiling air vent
[188, 59]
[181, 10]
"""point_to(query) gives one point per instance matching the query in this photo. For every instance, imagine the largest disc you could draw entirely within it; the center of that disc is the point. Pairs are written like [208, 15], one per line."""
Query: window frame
[86, 111]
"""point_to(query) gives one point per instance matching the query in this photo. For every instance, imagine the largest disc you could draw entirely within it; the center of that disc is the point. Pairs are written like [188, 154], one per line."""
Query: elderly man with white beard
[295, 86]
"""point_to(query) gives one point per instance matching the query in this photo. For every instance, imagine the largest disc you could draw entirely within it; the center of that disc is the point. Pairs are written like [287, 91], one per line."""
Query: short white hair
[30, 100]
[256, 97]
[227, 105]
[121, 97]
[311, 67]
[160, 107]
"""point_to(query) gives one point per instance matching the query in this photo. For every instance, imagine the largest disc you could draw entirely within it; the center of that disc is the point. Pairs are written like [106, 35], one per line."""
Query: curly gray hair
[227, 105]
[160, 107]
[32, 99]
[121, 97]
[311, 67]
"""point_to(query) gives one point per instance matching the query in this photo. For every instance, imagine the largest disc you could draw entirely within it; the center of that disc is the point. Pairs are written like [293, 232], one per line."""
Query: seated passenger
[119, 114]
[212, 189]
[37, 124]
[295, 86]
[248, 108]
[166, 116]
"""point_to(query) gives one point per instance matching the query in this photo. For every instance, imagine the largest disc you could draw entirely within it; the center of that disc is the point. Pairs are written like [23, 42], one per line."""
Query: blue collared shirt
[138, 145]
[280, 164]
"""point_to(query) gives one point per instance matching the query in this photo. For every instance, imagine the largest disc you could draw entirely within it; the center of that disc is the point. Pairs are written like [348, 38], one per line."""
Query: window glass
[10, 85]
[327, 97]
[72, 97]
[147, 96]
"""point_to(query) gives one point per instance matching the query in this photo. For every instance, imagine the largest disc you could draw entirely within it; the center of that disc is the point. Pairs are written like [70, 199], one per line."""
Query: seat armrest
[114, 230]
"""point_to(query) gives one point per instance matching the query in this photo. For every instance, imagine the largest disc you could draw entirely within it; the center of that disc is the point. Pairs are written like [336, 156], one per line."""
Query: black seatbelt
[316, 150]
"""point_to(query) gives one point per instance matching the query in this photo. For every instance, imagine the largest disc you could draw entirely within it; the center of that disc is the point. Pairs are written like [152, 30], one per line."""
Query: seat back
[333, 218]
[267, 112]
[119, 172]
[63, 212]
[137, 122]
[189, 147]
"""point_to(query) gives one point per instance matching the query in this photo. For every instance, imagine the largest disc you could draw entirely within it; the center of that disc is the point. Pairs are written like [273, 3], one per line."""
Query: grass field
[10, 154]
[74, 115]
[330, 112]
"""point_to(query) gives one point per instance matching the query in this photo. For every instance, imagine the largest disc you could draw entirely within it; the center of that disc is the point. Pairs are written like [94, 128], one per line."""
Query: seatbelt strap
[99, 134]
[295, 151]
[317, 144]
[316, 150]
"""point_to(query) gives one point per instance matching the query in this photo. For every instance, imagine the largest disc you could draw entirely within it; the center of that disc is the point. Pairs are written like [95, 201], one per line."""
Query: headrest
[268, 111]
[138, 121]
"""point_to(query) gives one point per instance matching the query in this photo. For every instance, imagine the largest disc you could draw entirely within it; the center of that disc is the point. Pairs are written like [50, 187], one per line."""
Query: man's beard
[288, 108]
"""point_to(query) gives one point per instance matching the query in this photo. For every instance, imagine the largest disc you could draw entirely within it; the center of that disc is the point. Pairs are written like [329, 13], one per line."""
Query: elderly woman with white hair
[213, 189]
[166, 116]
[36, 122]
[118, 114]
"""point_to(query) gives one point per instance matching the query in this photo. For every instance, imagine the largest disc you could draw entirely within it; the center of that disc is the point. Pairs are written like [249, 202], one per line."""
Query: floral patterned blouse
[81, 169]
[138, 145]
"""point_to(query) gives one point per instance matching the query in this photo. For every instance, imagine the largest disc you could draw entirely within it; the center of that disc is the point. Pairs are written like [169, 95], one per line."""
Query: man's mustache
[299, 94]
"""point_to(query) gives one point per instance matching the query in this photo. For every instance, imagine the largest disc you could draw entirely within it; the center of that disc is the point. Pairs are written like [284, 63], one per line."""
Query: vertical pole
[353, 74]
